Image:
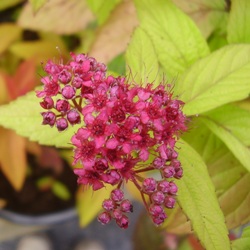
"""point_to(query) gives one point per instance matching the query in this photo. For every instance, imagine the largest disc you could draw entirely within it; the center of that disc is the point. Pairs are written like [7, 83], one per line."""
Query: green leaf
[89, 203]
[142, 59]
[117, 65]
[244, 242]
[23, 116]
[232, 125]
[102, 8]
[217, 40]
[176, 39]
[220, 78]
[198, 200]
[238, 24]
[37, 4]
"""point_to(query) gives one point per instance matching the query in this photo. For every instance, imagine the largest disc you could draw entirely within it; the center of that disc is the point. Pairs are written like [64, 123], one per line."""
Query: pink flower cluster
[127, 130]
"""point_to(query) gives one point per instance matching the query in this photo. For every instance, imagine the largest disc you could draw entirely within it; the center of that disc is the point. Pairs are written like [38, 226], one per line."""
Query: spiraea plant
[126, 133]
[126, 130]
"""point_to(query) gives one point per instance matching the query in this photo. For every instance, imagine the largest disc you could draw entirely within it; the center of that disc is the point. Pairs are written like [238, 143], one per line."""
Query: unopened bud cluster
[126, 131]
[116, 207]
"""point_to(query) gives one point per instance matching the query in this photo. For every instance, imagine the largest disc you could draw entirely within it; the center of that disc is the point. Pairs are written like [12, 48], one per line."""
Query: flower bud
[73, 117]
[47, 103]
[68, 92]
[149, 185]
[108, 205]
[104, 218]
[61, 124]
[117, 195]
[49, 118]
[126, 206]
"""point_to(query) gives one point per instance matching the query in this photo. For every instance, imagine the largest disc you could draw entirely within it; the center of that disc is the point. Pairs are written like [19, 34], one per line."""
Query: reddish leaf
[24, 79]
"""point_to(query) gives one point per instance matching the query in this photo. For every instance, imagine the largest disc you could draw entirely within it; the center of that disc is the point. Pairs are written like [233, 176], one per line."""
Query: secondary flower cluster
[127, 130]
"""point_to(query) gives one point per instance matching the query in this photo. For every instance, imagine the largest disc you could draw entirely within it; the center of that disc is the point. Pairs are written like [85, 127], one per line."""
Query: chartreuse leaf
[177, 41]
[142, 59]
[238, 24]
[102, 8]
[23, 116]
[232, 125]
[89, 203]
[220, 78]
[244, 242]
[198, 200]
[37, 4]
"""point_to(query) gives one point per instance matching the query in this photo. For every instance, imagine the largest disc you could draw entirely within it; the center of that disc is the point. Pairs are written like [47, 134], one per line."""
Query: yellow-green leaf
[177, 41]
[102, 8]
[24, 116]
[142, 60]
[37, 4]
[231, 124]
[238, 24]
[217, 79]
[198, 200]
[232, 184]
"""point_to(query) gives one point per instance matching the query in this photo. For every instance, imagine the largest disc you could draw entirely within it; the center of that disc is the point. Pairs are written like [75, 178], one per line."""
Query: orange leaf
[112, 38]
[4, 97]
[13, 157]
